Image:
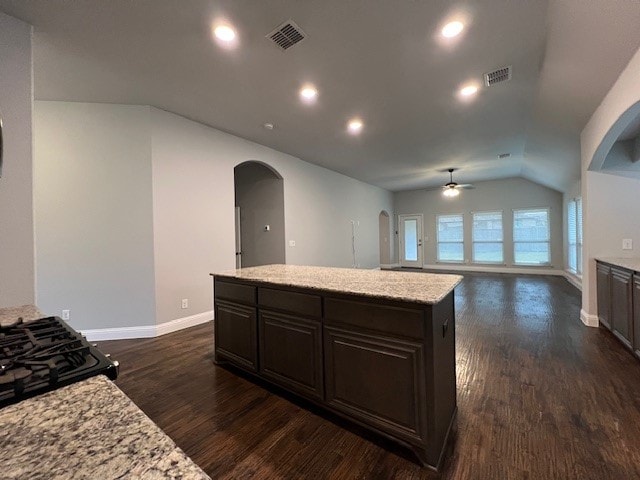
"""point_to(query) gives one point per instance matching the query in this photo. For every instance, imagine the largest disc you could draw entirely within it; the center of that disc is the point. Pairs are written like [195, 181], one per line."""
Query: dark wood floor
[540, 396]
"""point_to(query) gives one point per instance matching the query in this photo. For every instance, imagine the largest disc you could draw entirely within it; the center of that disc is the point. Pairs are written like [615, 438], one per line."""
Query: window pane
[531, 225]
[450, 252]
[487, 227]
[450, 228]
[531, 253]
[487, 252]
[572, 228]
[411, 240]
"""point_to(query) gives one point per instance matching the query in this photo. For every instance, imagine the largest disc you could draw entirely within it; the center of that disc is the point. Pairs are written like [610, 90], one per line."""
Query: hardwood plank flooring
[540, 396]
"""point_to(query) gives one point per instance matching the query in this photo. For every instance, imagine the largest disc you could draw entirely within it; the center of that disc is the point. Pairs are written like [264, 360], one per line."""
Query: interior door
[410, 240]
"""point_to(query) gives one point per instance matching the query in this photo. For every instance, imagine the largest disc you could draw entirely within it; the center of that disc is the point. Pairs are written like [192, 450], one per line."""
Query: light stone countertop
[629, 263]
[12, 314]
[87, 430]
[426, 288]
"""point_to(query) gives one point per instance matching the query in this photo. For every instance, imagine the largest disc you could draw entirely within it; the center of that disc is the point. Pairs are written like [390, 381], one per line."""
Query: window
[531, 236]
[574, 236]
[450, 238]
[487, 237]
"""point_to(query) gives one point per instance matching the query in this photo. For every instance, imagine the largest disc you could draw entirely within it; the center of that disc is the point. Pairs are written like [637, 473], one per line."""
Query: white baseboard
[494, 269]
[147, 331]
[573, 280]
[184, 322]
[589, 320]
[389, 266]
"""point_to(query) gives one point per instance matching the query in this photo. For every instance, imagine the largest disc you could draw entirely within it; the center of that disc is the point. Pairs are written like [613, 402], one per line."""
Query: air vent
[497, 76]
[287, 35]
[504, 155]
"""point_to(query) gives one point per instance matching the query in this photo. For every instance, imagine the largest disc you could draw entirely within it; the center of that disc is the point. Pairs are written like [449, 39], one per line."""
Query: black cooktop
[45, 354]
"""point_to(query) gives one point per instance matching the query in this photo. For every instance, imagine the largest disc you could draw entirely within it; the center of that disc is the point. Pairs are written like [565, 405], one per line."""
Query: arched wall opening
[259, 202]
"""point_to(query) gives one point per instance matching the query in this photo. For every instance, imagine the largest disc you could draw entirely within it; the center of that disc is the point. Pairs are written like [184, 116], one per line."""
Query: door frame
[420, 247]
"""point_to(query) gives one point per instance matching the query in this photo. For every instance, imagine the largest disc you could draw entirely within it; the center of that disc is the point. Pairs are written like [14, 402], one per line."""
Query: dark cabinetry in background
[618, 293]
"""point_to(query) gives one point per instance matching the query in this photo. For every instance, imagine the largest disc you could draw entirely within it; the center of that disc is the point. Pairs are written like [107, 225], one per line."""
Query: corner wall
[610, 203]
[17, 263]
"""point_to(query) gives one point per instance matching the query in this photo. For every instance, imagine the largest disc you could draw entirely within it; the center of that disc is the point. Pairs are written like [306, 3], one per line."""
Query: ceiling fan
[452, 189]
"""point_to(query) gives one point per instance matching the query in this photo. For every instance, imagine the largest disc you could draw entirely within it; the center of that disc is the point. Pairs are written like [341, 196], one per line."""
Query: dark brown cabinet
[291, 352]
[603, 279]
[621, 307]
[618, 293]
[386, 365]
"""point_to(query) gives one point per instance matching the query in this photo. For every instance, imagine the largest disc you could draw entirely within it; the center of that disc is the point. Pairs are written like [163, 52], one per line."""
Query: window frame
[548, 241]
[575, 203]
[474, 241]
[438, 241]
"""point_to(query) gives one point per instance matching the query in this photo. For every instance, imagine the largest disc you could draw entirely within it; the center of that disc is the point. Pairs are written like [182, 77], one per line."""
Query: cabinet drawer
[235, 329]
[235, 292]
[407, 322]
[377, 380]
[291, 352]
[290, 302]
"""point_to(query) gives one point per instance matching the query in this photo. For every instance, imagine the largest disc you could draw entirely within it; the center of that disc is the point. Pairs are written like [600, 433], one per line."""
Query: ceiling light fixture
[268, 126]
[469, 90]
[451, 192]
[308, 93]
[355, 126]
[452, 29]
[225, 33]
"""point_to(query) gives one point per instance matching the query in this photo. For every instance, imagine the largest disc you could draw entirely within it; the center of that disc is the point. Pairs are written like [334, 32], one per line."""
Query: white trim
[388, 266]
[184, 322]
[487, 269]
[147, 331]
[573, 279]
[589, 320]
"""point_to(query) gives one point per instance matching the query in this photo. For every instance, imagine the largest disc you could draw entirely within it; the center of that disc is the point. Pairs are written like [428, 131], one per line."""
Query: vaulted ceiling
[383, 61]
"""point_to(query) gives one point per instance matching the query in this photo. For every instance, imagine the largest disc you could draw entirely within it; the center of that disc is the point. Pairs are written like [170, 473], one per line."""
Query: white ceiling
[378, 59]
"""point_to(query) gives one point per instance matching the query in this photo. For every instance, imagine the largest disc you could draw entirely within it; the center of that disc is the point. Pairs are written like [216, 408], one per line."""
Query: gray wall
[505, 195]
[93, 205]
[17, 277]
[259, 194]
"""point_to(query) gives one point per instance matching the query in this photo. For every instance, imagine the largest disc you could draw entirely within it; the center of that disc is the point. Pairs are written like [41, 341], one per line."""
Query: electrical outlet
[185, 303]
[267, 228]
[66, 314]
[627, 244]
[292, 243]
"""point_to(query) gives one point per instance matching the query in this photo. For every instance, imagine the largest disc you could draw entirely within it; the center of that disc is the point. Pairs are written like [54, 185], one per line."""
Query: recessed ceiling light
[355, 126]
[225, 33]
[269, 126]
[452, 29]
[469, 90]
[308, 93]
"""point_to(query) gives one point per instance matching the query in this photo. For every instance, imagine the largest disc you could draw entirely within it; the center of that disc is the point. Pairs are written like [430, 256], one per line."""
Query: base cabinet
[618, 293]
[388, 366]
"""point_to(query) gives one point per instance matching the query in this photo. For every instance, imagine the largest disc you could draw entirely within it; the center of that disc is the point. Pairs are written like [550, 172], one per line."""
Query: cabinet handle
[445, 327]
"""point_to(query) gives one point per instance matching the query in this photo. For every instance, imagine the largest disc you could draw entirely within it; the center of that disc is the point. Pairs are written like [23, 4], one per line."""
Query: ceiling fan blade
[466, 186]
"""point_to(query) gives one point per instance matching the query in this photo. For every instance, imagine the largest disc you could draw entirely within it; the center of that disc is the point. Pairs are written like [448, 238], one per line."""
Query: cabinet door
[636, 314]
[291, 352]
[621, 305]
[377, 380]
[603, 278]
[235, 330]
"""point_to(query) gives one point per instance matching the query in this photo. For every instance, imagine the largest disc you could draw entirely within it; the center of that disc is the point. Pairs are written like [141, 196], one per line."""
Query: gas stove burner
[45, 354]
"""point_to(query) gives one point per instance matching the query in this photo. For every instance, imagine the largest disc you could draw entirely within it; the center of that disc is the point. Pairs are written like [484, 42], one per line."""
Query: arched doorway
[385, 247]
[259, 201]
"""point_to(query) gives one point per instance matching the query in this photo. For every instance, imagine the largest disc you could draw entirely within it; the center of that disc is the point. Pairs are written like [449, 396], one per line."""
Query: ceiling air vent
[497, 76]
[504, 155]
[287, 35]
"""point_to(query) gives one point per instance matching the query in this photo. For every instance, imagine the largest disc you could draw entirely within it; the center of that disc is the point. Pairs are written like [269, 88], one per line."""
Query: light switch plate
[292, 243]
[627, 244]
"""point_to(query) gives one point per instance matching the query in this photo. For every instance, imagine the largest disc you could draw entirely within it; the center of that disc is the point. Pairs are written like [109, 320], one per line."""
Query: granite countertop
[417, 287]
[87, 430]
[12, 314]
[629, 263]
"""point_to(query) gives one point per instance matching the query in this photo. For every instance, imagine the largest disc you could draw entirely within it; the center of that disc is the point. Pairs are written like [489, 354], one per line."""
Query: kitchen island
[374, 347]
